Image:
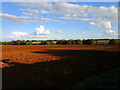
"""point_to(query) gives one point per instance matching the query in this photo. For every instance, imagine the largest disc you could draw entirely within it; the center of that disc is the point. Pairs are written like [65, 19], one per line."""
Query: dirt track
[59, 65]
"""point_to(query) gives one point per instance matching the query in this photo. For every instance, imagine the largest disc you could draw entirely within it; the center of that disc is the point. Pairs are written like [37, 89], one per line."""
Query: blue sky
[65, 20]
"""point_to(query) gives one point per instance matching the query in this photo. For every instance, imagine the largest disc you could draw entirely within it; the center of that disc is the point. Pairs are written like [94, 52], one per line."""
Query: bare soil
[40, 66]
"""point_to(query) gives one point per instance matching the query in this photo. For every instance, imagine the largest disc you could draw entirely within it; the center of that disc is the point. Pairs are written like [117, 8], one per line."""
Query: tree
[89, 42]
[73, 42]
[18, 42]
[79, 42]
[48, 42]
[4, 43]
[68, 42]
[28, 43]
[114, 42]
[61, 42]
[93, 42]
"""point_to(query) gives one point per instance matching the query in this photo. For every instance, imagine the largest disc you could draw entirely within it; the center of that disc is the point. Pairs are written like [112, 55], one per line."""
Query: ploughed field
[41, 66]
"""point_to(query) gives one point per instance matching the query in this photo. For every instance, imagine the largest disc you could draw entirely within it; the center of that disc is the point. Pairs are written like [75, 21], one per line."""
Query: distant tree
[79, 42]
[28, 43]
[68, 42]
[114, 42]
[73, 42]
[54, 42]
[22, 42]
[84, 42]
[4, 43]
[49, 42]
[93, 42]
[18, 42]
[44, 43]
[58, 42]
[61, 42]
[89, 42]
[13, 43]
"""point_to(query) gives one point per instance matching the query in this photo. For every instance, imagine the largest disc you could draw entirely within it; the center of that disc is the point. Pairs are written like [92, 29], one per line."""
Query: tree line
[63, 42]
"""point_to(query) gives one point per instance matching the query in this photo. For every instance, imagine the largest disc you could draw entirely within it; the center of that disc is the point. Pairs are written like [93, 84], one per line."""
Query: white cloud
[28, 10]
[48, 20]
[19, 34]
[30, 17]
[41, 30]
[70, 10]
[59, 31]
[34, 12]
[102, 24]
[40, 5]
[63, 8]
[106, 12]
[74, 18]
[40, 33]
[76, 11]
[13, 18]
[86, 19]
[111, 32]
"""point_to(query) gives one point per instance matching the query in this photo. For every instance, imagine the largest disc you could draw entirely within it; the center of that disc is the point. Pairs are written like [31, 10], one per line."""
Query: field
[103, 42]
[40, 66]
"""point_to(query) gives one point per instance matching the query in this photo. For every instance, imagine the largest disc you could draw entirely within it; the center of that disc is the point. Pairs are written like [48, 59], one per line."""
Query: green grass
[109, 79]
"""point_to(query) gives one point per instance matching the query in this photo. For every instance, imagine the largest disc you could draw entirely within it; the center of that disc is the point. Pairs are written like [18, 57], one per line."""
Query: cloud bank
[36, 12]
[102, 24]
[62, 12]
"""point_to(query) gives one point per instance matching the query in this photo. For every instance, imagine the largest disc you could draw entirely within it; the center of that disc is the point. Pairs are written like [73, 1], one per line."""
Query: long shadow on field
[77, 66]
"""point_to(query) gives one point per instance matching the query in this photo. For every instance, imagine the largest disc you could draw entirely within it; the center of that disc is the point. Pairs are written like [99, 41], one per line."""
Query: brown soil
[40, 66]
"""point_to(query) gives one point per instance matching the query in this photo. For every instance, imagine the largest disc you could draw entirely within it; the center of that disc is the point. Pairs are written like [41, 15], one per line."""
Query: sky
[59, 20]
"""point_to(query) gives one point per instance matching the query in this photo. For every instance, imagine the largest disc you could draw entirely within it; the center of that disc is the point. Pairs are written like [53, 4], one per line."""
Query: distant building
[36, 42]
[54, 42]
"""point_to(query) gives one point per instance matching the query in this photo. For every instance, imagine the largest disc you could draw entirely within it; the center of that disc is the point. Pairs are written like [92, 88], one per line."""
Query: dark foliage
[63, 42]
